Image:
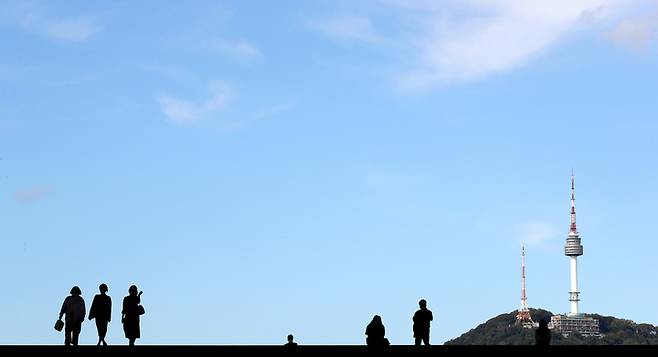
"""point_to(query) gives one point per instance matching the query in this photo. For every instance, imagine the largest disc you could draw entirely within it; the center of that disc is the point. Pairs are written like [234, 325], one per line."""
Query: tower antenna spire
[572, 226]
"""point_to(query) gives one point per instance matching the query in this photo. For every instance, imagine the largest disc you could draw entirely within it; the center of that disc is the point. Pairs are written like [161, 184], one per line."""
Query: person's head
[290, 338]
[422, 303]
[543, 324]
[76, 291]
[377, 319]
[103, 288]
[133, 290]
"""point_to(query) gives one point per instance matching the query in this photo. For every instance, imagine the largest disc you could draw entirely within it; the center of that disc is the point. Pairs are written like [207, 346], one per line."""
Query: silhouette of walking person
[422, 319]
[376, 332]
[130, 314]
[101, 310]
[74, 308]
[543, 334]
[290, 343]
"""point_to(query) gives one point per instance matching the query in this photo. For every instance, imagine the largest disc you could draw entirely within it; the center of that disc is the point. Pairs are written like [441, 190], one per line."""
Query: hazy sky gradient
[264, 168]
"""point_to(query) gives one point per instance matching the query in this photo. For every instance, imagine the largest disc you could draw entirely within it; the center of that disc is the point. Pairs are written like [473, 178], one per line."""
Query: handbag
[140, 310]
[59, 325]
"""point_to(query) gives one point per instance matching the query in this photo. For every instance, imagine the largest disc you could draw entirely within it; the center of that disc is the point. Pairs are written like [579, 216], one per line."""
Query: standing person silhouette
[422, 319]
[130, 314]
[543, 334]
[74, 308]
[101, 310]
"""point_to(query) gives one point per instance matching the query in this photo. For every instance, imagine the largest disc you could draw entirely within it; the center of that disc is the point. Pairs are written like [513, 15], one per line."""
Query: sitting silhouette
[130, 314]
[290, 343]
[101, 310]
[543, 334]
[422, 319]
[74, 308]
[375, 332]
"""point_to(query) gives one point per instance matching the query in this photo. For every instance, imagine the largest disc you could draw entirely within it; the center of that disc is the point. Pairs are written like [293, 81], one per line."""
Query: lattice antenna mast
[524, 298]
[523, 316]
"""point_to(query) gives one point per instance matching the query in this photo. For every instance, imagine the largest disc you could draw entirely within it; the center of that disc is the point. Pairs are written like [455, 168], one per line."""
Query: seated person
[375, 332]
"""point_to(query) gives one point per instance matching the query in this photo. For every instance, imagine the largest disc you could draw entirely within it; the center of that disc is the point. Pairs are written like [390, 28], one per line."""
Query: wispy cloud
[183, 111]
[635, 34]
[537, 233]
[217, 110]
[30, 17]
[447, 41]
[349, 27]
[31, 194]
[240, 49]
[497, 36]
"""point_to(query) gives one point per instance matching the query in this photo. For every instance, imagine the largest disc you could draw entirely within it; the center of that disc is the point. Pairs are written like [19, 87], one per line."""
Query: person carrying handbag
[74, 309]
[130, 314]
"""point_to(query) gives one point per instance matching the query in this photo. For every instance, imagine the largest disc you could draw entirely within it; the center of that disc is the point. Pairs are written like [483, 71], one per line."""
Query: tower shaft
[573, 293]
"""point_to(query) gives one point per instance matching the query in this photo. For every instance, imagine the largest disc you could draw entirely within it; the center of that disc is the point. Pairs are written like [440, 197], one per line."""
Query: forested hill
[502, 330]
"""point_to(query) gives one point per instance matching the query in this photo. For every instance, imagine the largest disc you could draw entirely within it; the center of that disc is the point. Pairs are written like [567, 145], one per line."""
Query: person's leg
[101, 326]
[76, 333]
[418, 340]
[104, 332]
[67, 335]
[426, 340]
[98, 328]
[131, 342]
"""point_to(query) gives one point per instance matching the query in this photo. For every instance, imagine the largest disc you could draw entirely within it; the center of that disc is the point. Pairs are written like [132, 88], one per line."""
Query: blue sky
[259, 169]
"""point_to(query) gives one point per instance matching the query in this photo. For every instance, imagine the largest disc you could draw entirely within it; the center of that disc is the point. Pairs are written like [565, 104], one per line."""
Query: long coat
[131, 319]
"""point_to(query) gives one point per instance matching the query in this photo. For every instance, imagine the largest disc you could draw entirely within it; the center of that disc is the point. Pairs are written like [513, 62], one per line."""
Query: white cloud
[537, 233]
[447, 41]
[184, 111]
[351, 27]
[76, 29]
[241, 49]
[497, 36]
[635, 34]
[30, 18]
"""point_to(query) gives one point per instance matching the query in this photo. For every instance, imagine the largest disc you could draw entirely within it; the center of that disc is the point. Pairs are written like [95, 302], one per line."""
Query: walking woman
[101, 310]
[130, 314]
[74, 308]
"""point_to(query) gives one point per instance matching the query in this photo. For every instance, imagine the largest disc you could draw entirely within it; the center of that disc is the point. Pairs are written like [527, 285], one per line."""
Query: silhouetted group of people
[376, 332]
[101, 311]
[421, 326]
